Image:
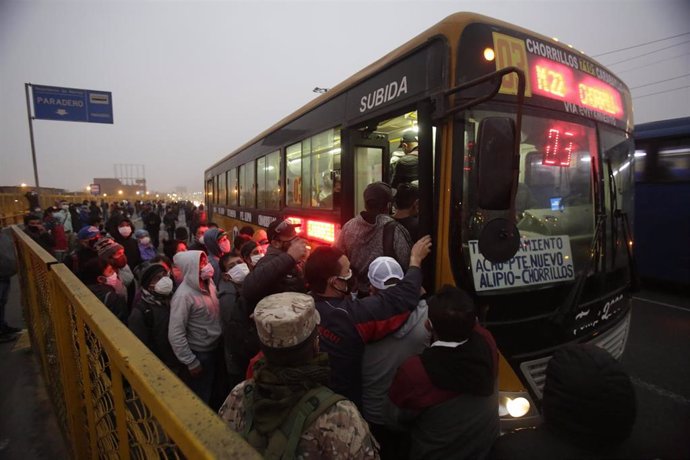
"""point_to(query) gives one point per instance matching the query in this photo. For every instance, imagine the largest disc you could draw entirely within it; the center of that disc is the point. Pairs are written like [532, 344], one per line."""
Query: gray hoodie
[194, 313]
[381, 361]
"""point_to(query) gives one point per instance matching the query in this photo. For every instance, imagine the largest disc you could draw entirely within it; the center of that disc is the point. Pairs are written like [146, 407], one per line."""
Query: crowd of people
[327, 352]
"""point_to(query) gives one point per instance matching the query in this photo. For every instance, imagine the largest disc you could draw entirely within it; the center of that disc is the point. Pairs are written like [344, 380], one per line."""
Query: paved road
[657, 357]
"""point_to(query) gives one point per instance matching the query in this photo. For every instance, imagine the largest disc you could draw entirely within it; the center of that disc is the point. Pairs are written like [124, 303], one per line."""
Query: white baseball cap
[383, 270]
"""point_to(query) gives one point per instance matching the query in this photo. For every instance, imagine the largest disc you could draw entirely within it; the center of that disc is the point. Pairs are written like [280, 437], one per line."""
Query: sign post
[65, 104]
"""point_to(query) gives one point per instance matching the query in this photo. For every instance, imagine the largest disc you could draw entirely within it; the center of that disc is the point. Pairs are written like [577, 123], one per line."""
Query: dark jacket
[406, 170]
[116, 304]
[8, 260]
[448, 398]
[213, 252]
[240, 340]
[348, 324]
[152, 222]
[130, 244]
[149, 322]
[276, 272]
[77, 259]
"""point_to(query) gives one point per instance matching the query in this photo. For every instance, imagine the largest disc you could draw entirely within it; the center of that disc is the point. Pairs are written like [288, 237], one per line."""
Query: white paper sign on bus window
[540, 260]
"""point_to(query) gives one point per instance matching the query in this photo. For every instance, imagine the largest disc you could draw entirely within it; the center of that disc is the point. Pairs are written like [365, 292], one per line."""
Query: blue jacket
[348, 324]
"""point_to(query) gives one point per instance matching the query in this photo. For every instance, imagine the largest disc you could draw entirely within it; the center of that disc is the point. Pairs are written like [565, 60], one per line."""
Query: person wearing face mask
[101, 279]
[217, 245]
[280, 270]
[251, 254]
[261, 238]
[114, 254]
[146, 249]
[199, 244]
[151, 313]
[347, 323]
[124, 235]
[235, 320]
[195, 326]
[35, 229]
[86, 238]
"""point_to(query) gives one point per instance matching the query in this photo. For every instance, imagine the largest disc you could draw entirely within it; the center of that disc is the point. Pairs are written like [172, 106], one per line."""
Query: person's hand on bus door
[298, 249]
[420, 250]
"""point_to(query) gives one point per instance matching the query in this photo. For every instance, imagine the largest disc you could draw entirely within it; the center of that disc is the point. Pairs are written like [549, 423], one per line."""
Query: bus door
[371, 155]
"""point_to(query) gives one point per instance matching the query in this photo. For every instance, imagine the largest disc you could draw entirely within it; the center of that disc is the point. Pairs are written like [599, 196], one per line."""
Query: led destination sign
[554, 73]
[557, 81]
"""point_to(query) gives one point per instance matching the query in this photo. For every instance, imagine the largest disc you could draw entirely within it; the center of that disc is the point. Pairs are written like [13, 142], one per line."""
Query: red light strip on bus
[322, 231]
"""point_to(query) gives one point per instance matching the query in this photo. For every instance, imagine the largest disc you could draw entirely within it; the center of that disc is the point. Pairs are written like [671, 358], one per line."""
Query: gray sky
[193, 80]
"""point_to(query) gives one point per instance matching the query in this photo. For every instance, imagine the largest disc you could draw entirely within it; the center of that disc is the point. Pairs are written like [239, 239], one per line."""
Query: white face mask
[111, 280]
[145, 240]
[224, 247]
[238, 273]
[206, 272]
[256, 258]
[164, 286]
[201, 240]
[125, 231]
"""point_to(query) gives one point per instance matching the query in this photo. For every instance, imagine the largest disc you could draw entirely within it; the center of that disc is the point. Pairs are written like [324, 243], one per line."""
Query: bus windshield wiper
[573, 298]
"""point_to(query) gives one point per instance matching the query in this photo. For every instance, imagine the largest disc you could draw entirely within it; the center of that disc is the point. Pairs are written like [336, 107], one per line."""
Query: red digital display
[559, 148]
[557, 81]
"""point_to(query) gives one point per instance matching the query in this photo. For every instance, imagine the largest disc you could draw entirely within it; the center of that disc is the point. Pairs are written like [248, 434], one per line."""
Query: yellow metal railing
[113, 398]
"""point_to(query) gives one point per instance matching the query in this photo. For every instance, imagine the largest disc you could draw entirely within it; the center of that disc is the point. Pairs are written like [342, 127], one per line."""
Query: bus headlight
[514, 405]
[517, 407]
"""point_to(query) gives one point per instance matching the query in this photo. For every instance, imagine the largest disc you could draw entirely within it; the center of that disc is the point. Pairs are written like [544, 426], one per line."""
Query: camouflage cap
[286, 319]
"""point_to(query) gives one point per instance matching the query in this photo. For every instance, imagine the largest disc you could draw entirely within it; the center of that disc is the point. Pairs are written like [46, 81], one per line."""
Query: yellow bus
[524, 153]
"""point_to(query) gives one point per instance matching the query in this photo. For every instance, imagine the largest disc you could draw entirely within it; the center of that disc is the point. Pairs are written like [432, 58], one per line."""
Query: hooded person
[122, 233]
[217, 245]
[195, 325]
[114, 254]
[150, 315]
[146, 249]
[589, 410]
[291, 383]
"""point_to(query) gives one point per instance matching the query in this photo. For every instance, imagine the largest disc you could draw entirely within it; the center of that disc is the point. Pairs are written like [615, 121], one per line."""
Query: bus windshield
[554, 199]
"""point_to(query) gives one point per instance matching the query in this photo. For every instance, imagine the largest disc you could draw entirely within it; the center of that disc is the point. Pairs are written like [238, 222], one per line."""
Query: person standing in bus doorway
[407, 167]
[448, 395]
[407, 208]
[195, 327]
[374, 233]
[280, 270]
[292, 381]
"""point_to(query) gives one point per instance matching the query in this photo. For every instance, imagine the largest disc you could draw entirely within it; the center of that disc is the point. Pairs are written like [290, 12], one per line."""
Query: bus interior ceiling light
[489, 54]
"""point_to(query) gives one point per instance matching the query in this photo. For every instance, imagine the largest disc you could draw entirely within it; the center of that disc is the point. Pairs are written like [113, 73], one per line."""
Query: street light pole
[31, 135]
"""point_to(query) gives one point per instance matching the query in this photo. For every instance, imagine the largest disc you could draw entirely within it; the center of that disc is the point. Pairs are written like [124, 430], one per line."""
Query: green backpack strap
[283, 442]
[248, 402]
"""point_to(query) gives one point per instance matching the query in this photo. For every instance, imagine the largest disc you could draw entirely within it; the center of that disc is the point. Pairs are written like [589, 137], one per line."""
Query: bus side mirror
[496, 153]
[497, 173]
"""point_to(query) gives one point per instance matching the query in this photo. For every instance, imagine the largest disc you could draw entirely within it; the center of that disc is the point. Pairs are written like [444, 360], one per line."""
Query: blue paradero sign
[71, 104]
